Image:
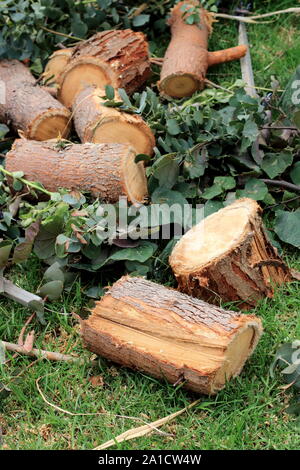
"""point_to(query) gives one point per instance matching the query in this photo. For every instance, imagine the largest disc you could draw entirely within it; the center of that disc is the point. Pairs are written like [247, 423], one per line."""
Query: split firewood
[187, 59]
[97, 123]
[107, 171]
[170, 335]
[229, 257]
[56, 65]
[119, 58]
[28, 106]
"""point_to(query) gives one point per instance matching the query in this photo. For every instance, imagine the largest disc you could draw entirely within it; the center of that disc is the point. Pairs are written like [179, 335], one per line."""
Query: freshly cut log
[229, 257]
[56, 65]
[29, 107]
[107, 171]
[187, 59]
[170, 335]
[97, 123]
[118, 57]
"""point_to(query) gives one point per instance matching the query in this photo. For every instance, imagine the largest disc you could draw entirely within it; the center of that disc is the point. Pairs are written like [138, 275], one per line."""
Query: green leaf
[52, 290]
[124, 97]
[109, 92]
[54, 273]
[166, 170]
[5, 249]
[254, 189]
[250, 130]
[295, 174]
[142, 157]
[213, 191]
[287, 227]
[173, 127]
[226, 182]
[95, 292]
[78, 27]
[140, 20]
[23, 250]
[3, 130]
[275, 164]
[140, 253]
[44, 246]
[167, 196]
[212, 206]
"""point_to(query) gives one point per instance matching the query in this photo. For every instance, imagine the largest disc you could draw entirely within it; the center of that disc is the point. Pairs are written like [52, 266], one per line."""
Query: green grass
[248, 414]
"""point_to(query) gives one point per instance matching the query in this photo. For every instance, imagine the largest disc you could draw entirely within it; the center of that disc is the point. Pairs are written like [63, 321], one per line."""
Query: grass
[248, 414]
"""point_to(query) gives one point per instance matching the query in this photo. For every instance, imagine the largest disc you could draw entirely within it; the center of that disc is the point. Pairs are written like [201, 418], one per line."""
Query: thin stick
[41, 353]
[61, 34]
[282, 184]
[143, 430]
[251, 19]
[21, 335]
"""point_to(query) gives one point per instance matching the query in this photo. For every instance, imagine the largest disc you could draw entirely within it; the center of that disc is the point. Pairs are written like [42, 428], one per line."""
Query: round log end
[82, 73]
[180, 85]
[56, 65]
[50, 125]
[134, 179]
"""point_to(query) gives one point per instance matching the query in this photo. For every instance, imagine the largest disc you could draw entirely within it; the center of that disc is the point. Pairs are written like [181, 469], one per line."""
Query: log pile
[170, 335]
[229, 257]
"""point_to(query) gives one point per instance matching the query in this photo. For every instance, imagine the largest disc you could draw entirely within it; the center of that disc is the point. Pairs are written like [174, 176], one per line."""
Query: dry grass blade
[143, 430]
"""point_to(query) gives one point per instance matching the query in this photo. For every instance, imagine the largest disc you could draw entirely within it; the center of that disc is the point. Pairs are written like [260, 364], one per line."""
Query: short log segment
[107, 171]
[228, 256]
[118, 57]
[170, 335]
[56, 66]
[187, 59]
[97, 123]
[29, 107]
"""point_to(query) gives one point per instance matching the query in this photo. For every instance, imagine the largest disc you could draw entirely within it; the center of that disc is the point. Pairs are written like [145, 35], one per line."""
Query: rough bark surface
[97, 123]
[187, 59]
[122, 56]
[100, 169]
[28, 107]
[170, 335]
[246, 272]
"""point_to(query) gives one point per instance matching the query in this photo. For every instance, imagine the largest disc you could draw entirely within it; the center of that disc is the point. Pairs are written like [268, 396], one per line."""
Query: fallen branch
[143, 430]
[251, 19]
[42, 354]
[283, 184]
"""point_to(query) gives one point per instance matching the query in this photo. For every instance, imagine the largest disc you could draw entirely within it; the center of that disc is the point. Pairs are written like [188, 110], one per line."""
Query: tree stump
[119, 58]
[229, 257]
[95, 122]
[169, 335]
[29, 107]
[107, 171]
[187, 59]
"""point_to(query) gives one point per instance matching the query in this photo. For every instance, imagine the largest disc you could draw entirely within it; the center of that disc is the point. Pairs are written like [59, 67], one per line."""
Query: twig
[21, 335]
[282, 184]
[215, 85]
[61, 34]
[143, 430]
[251, 19]
[41, 353]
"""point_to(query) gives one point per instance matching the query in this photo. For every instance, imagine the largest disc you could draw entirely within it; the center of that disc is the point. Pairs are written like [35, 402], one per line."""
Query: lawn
[248, 414]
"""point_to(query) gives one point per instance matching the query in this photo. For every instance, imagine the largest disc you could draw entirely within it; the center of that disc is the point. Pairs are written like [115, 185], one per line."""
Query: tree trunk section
[107, 171]
[56, 65]
[229, 257]
[187, 59]
[95, 122]
[118, 57]
[29, 107]
[170, 335]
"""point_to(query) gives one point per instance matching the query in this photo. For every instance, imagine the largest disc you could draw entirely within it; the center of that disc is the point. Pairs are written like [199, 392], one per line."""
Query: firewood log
[187, 59]
[56, 65]
[170, 335]
[97, 123]
[107, 171]
[119, 58]
[228, 256]
[29, 107]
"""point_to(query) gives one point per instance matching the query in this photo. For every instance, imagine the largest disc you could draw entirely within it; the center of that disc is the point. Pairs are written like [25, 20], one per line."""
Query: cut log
[56, 65]
[107, 171]
[229, 257]
[187, 59]
[119, 58]
[170, 335]
[97, 123]
[30, 108]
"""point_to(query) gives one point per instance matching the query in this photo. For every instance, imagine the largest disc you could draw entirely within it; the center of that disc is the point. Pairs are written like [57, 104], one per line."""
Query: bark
[170, 335]
[187, 59]
[97, 123]
[28, 107]
[107, 171]
[117, 57]
[229, 257]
